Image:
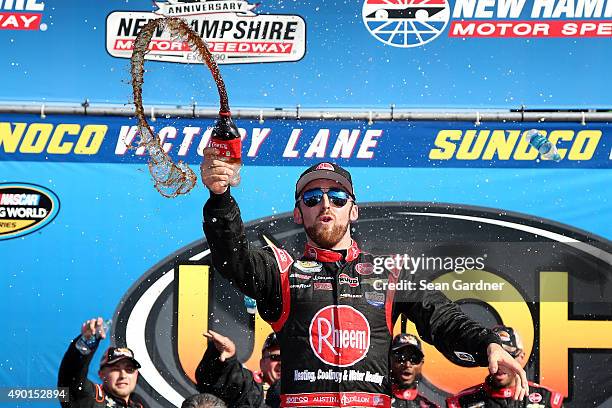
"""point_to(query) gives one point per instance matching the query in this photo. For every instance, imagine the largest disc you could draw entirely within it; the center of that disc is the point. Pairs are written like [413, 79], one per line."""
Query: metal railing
[296, 113]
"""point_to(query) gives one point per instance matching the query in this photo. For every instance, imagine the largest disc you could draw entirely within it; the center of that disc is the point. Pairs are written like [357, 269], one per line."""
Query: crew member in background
[497, 390]
[221, 374]
[118, 371]
[407, 361]
[334, 325]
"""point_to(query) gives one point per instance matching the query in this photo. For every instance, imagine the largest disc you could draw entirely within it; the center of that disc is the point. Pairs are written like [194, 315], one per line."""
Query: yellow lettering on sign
[559, 334]
[36, 138]
[585, 144]
[446, 148]
[192, 315]
[564, 135]
[57, 145]
[91, 139]
[501, 145]
[9, 138]
[470, 149]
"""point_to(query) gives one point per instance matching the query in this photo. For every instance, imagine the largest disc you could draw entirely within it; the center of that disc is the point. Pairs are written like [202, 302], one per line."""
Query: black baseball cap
[271, 341]
[328, 171]
[115, 354]
[407, 341]
[510, 340]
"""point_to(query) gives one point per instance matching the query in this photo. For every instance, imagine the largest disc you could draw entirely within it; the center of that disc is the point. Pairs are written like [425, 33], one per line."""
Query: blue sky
[344, 66]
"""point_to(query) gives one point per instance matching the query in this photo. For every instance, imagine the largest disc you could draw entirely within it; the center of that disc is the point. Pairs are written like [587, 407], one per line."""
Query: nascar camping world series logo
[405, 23]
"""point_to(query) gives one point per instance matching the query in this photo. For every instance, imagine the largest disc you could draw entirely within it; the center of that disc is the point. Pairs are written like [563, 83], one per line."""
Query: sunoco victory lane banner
[468, 207]
[275, 142]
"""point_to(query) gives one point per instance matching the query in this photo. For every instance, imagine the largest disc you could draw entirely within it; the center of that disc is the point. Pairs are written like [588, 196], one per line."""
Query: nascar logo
[405, 23]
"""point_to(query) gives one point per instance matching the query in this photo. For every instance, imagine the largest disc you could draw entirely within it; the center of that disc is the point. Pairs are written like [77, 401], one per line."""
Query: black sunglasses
[273, 357]
[407, 357]
[337, 197]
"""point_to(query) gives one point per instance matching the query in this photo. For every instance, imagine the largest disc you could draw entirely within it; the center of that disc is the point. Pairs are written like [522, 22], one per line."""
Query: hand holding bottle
[92, 331]
[225, 138]
[218, 175]
[94, 328]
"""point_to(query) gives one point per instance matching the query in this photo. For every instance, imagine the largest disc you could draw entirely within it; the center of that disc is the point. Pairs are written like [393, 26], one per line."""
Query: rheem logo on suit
[339, 335]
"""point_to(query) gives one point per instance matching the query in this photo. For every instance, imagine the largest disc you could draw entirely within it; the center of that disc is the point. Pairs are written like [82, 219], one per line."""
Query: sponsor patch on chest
[323, 286]
[308, 266]
[344, 279]
[376, 299]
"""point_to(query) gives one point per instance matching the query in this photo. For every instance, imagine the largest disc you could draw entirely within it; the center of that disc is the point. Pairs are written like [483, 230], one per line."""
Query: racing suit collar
[118, 401]
[328, 255]
[506, 392]
[408, 394]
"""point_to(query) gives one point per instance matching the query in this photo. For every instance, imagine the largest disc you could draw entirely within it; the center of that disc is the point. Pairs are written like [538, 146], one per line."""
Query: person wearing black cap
[221, 374]
[118, 371]
[407, 361]
[499, 387]
[337, 329]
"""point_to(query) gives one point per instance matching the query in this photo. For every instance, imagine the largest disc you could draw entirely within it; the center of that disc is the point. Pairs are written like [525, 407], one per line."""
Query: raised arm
[75, 364]
[254, 272]
[221, 374]
[462, 340]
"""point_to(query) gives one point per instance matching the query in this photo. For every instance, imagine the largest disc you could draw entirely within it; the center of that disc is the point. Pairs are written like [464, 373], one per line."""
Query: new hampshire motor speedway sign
[412, 23]
[233, 31]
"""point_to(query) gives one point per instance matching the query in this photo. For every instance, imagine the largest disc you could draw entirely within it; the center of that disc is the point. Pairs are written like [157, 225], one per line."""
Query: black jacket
[329, 310]
[236, 385]
[484, 396]
[82, 392]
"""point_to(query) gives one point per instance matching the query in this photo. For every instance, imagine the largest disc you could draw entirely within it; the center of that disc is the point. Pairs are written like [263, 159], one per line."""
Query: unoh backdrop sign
[118, 249]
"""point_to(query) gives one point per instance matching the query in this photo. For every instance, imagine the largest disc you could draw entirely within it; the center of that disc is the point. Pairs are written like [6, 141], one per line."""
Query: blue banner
[424, 144]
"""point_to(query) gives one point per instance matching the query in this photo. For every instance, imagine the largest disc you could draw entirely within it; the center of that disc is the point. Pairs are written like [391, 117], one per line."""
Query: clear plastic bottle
[87, 344]
[547, 150]
[250, 304]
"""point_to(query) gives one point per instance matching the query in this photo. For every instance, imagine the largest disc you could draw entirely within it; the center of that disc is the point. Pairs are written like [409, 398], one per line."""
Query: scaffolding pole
[300, 113]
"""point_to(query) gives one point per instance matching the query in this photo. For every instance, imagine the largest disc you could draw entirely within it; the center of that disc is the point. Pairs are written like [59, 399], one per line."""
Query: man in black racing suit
[498, 388]
[335, 329]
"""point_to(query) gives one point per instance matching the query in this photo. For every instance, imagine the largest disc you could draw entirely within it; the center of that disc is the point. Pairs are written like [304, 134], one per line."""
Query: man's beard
[327, 238]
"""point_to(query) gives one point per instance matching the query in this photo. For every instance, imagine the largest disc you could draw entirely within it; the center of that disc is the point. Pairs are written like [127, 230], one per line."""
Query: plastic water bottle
[548, 151]
[87, 344]
[251, 305]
